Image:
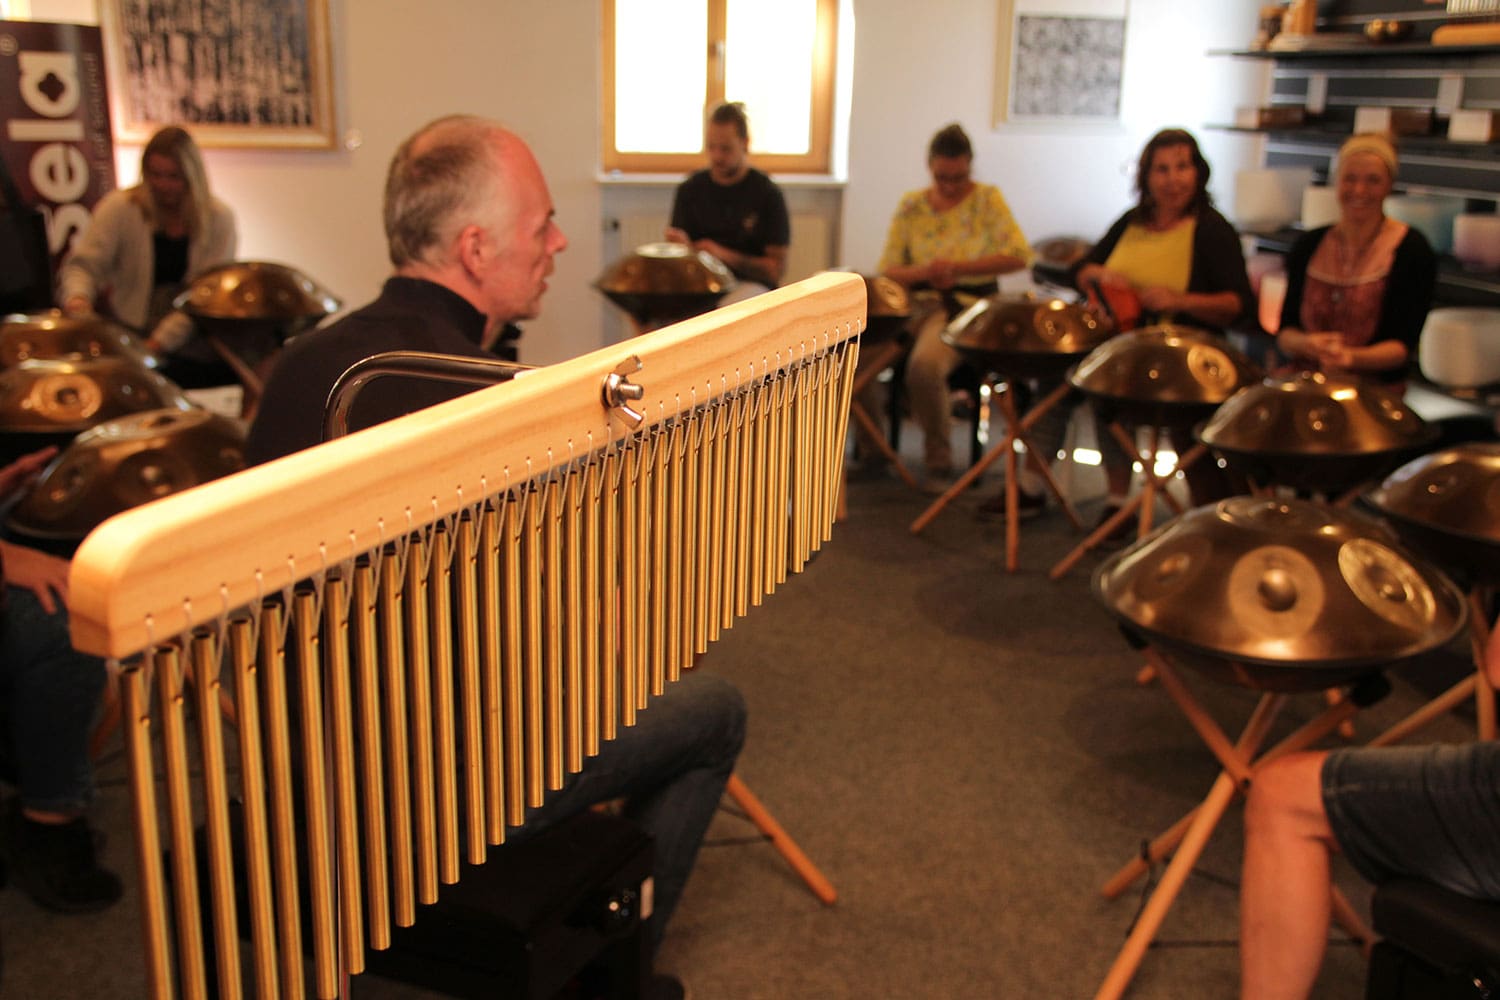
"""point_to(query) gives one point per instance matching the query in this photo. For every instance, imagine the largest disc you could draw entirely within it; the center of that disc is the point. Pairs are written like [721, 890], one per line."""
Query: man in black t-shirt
[731, 210]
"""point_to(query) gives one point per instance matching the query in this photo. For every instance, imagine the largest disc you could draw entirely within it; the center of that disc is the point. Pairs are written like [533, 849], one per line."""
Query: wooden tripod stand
[1143, 504]
[1017, 427]
[1188, 837]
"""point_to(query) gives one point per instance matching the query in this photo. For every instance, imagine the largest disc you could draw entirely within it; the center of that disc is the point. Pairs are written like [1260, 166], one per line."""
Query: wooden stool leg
[1193, 842]
[766, 824]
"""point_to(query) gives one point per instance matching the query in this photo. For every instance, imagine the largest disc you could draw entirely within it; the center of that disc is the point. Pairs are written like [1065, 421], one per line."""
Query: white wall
[535, 66]
[915, 72]
[532, 65]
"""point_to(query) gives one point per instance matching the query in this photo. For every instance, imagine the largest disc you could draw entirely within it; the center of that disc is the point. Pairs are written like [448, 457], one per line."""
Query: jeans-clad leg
[670, 767]
[49, 701]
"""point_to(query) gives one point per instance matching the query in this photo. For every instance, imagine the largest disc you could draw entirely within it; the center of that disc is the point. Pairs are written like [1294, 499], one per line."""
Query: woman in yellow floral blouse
[952, 238]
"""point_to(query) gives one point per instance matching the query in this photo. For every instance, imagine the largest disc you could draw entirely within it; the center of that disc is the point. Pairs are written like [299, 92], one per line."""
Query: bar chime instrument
[414, 632]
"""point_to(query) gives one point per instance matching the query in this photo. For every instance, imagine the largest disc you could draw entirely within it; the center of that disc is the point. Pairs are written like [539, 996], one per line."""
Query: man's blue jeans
[670, 767]
[49, 701]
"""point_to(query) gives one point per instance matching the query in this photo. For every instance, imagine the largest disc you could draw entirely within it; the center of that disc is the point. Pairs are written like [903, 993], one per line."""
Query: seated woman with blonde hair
[144, 245]
[1358, 290]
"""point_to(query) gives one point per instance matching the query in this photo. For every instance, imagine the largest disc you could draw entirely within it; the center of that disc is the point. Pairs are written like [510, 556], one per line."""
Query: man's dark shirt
[410, 315]
[747, 216]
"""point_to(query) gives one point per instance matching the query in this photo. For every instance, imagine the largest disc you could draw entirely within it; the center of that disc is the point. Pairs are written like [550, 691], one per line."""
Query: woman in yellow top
[1178, 259]
[954, 238]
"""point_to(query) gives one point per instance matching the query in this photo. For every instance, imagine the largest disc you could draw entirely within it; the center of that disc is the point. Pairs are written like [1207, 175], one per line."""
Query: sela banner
[56, 140]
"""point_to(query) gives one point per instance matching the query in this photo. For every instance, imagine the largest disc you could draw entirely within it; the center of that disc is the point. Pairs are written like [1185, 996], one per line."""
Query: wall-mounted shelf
[1368, 50]
[1333, 134]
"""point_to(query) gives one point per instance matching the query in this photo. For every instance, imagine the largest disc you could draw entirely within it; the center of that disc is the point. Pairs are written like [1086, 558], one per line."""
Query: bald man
[472, 236]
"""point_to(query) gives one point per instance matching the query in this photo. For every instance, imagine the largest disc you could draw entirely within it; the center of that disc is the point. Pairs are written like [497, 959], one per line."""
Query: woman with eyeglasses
[949, 242]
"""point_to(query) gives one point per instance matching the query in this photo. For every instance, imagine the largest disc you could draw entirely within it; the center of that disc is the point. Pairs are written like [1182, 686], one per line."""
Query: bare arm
[767, 269]
[1214, 308]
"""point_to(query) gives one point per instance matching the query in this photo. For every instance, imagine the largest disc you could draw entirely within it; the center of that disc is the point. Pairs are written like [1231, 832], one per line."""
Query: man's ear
[471, 247]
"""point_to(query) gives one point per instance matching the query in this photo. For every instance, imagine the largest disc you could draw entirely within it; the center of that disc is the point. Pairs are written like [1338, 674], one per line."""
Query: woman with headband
[1358, 290]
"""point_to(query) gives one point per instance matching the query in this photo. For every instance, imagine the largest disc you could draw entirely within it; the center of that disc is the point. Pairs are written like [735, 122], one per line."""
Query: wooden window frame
[818, 158]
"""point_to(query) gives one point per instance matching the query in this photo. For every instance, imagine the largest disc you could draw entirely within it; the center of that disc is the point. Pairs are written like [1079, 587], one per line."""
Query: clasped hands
[1327, 349]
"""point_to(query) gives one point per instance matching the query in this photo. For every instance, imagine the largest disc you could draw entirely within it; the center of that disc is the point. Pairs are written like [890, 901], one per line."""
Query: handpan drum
[1447, 504]
[53, 336]
[888, 307]
[1316, 432]
[49, 402]
[1280, 595]
[1026, 336]
[1160, 376]
[250, 302]
[659, 283]
[124, 463]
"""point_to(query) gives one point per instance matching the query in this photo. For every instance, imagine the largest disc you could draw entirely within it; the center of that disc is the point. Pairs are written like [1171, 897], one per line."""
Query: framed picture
[234, 73]
[1059, 61]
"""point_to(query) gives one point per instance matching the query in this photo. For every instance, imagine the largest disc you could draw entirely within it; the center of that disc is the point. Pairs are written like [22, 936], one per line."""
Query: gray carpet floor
[963, 751]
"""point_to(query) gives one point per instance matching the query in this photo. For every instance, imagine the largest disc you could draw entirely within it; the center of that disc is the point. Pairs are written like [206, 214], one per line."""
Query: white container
[1320, 206]
[1430, 214]
[1476, 241]
[1268, 199]
[1460, 347]
[1271, 298]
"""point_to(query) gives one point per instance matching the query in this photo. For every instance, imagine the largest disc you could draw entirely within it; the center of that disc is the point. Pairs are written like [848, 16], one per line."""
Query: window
[667, 62]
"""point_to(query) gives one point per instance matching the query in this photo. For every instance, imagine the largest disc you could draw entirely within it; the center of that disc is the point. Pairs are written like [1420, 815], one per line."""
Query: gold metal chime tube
[531, 597]
[593, 596]
[205, 676]
[420, 717]
[283, 828]
[491, 602]
[675, 571]
[315, 786]
[611, 487]
[512, 667]
[135, 697]
[472, 690]
[371, 767]
[553, 496]
[167, 664]
[392, 653]
[700, 522]
[445, 725]
[656, 654]
[345, 796]
[241, 641]
[574, 488]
